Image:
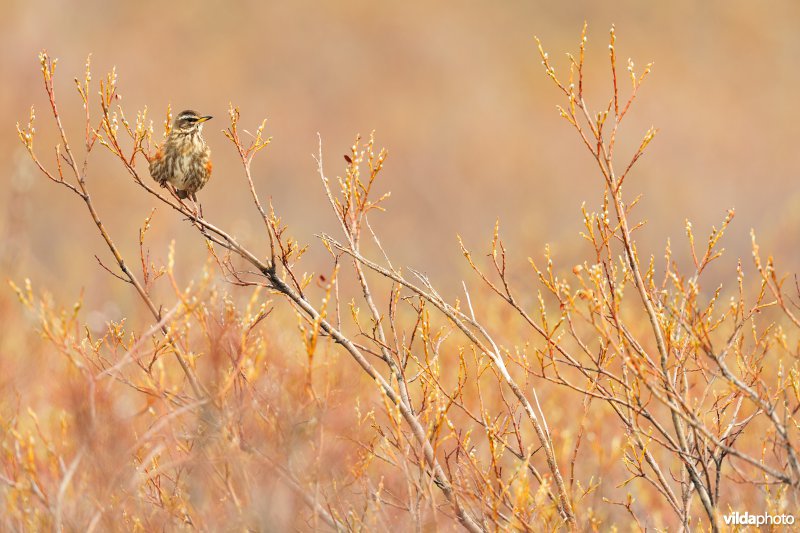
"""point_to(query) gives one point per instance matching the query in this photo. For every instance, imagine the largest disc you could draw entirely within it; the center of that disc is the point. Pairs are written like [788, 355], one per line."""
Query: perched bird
[184, 160]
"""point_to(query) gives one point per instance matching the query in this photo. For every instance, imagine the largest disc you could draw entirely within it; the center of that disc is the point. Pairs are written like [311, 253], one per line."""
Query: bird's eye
[187, 122]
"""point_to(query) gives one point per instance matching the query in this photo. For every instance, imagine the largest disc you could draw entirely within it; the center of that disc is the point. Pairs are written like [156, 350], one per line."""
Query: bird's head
[189, 122]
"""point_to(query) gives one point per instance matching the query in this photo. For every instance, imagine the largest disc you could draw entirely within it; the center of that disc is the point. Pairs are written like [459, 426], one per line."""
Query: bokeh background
[454, 90]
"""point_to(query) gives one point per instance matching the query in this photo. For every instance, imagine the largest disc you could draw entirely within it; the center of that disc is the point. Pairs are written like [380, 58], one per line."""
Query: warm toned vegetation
[624, 390]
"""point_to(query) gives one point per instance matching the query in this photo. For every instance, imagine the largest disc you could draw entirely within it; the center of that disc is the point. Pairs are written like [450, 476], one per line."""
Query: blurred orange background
[454, 90]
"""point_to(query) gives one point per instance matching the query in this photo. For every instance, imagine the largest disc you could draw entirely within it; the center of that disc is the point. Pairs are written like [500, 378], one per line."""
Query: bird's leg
[198, 206]
[182, 200]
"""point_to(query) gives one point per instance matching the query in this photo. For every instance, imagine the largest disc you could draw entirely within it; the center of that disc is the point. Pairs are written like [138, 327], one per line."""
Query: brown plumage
[184, 160]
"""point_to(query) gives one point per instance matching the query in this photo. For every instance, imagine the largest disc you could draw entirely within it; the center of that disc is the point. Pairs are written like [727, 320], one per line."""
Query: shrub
[262, 397]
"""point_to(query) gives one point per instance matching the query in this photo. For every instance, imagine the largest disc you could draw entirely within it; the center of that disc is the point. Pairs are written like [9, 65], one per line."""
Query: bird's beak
[203, 119]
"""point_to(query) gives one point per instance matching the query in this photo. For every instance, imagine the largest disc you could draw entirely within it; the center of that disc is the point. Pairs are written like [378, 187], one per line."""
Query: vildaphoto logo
[747, 519]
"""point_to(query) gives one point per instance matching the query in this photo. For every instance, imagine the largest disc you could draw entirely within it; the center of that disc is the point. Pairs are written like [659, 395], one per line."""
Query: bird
[184, 160]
